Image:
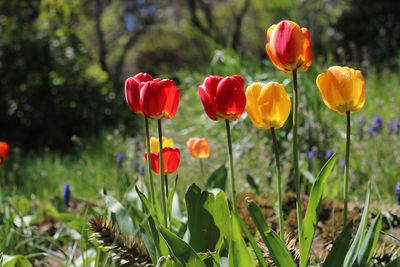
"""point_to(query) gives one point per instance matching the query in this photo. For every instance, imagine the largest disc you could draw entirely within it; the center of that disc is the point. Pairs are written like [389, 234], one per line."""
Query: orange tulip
[289, 46]
[171, 159]
[198, 147]
[4, 152]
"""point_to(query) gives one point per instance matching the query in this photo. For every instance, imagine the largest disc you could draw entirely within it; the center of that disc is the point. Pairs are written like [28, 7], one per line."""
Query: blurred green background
[63, 66]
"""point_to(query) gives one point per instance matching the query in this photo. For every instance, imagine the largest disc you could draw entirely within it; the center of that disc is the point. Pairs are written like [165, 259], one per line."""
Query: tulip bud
[171, 159]
[4, 152]
[289, 46]
[223, 98]
[155, 144]
[268, 105]
[198, 147]
[342, 89]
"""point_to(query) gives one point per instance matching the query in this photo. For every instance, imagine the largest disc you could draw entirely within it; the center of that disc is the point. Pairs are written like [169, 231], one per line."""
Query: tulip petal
[208, 104]
[252, 108]
[230, 99]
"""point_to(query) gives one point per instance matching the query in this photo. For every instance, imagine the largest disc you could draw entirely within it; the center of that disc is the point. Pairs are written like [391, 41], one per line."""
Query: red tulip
[171, 159]
[223, 98]
[132, 90]
[159, 99]
[4, 152]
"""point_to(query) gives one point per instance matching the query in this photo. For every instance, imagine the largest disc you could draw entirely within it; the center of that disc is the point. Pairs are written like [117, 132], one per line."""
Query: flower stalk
[152, 192]
[278, 170]
[347, 166]
[233, 188]
[163, 192]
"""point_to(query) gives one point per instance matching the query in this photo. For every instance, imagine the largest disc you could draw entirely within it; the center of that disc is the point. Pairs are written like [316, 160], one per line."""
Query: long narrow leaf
[278, 250]
[253, 242]
[371, 240]
[312, 213]
[351, 255]
[181, 250]
[337, 254]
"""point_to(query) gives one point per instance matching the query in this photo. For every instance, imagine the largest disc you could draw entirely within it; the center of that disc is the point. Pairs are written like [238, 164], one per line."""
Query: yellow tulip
[342, 89]
[155, 145]
[268, 105]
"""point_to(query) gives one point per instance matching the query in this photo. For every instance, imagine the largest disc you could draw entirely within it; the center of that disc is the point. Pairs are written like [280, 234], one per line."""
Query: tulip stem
[347, 166]
[296, 153]
[164, 204]
[278, 170]
[228, 134]
[166, 185]
[152, 191]
[202, 168]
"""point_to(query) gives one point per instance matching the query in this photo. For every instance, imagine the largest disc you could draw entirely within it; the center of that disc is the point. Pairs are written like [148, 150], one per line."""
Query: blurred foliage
[63, 63]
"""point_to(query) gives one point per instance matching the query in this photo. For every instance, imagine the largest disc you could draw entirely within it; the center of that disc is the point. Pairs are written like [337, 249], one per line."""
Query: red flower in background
[223, 98]
[159, 99]
[4, 152]
[132, 90]
[171, 159]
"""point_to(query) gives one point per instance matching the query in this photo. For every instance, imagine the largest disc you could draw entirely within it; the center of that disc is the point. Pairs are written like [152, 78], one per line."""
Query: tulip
[171, 159]
[198, 147]
[132, 90]
[268, 105]
[289, 46]
[342, 89]
[223, 98]
[4, 152]
[159, 99]
[155, 144]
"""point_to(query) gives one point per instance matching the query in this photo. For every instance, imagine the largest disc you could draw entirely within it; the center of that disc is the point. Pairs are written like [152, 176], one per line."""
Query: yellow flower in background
[268, 105]
[155, 145]
[342, 89]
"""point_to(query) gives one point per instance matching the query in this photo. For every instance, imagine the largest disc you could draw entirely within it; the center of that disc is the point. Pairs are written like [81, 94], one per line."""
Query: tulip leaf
[15, 260]
[180, 249]
[312, 213]
[218, 178]
[250, 180]
[239, 254]
[207, 215]
[351, 255]
[253, 242]
[278, 250]
[118, 214]
[340, 246]
[370, 241]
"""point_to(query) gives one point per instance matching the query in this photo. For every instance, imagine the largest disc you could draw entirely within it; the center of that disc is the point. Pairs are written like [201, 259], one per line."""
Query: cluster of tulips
[268, 106]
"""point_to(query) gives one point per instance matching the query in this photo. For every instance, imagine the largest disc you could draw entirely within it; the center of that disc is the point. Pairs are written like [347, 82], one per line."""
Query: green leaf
[204, 233]
[252, 182]
[278, 250]
[351, 255]
[370, 241]
[340, 246]
[15, 260]
[180, 249]
[239, 255]
[218, 178]
[253, 243]
[119, 215]
[312, 213]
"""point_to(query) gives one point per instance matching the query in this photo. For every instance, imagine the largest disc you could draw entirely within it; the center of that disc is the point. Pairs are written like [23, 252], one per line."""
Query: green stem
[296, 153]
[164, 204]
[233, 189]
[166, 185]
[152, 191]
[278, 170]
[202, 168]
[347, 166]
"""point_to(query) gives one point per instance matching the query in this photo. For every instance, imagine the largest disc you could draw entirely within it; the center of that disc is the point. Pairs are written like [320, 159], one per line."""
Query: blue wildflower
[311, 154]
[120, 158]
[135, 165]
[67, 194]
[329, 153]
[376, 126]
[343, 165]
[396, 127]
[142, 170]
[398, 192]
[390, 127]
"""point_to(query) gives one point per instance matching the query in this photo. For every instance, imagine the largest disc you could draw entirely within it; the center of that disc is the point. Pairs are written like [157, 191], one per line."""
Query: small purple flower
[135, 165]
[390, 127]
[142, 170]
[120, 159]
[311, 154]
[329, 153]
[343, 165]
[67, 194]
[361, 120]
[396, 127]
[376, 126]
[398, 192]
